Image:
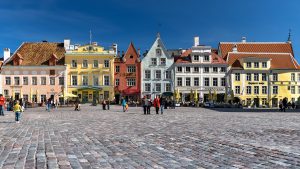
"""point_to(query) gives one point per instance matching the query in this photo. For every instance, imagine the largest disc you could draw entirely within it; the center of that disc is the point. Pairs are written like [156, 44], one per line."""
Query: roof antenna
[289, 37]
[90, 37]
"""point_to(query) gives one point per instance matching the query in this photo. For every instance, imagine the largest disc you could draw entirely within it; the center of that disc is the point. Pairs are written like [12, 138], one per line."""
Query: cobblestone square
[181, 138]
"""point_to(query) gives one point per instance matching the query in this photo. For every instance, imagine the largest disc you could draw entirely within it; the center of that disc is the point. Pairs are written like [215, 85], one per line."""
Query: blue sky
[122, 21]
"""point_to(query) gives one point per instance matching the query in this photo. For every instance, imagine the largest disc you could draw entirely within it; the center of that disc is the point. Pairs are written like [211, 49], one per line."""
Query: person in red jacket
[156, 104]
[2, 104]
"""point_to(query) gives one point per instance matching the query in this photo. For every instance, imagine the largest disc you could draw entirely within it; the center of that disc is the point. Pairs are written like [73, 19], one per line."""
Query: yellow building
[90, 71]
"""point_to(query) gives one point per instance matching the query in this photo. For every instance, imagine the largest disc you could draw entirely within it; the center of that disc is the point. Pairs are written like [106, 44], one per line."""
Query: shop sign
[256, 83]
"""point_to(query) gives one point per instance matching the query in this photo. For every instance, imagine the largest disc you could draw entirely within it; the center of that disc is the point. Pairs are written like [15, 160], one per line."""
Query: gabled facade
[200, 69]
[127, 74]
[90, 72]
[262, 73]
[35, 72]
[157, 71]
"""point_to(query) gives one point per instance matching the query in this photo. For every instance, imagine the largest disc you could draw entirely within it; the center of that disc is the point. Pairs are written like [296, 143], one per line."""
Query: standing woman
[156, 104]
[124, 104]
[17, 109]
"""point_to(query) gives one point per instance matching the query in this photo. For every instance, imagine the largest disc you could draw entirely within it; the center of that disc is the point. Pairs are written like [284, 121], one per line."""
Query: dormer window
[131, 56]
[17, 60]
[264, 64]
[53, 60]
[158, 52]
[248, 64]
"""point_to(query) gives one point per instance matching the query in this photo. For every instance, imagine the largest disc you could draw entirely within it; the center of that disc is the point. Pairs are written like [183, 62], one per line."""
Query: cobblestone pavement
[181, 138]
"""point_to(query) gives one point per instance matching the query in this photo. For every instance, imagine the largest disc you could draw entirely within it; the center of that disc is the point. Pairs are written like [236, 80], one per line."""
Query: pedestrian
[77, 105]
[145, 103]
[2, 105]
[124, 104]
[162, 104]
[49, 104]
[149, 105]
[56, 104]
[284, 104]
[104, 105]
[293, 105]
[280, 105]
[17, 109]
[156, 104]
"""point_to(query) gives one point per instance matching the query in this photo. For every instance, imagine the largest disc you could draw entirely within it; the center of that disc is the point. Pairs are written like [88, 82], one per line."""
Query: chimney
[115, 48]
[196, 41]
[123, 53]
[6, 54]
[243, 39]
[139, 52]
[67, 44]
[234, 49]
[95, 43]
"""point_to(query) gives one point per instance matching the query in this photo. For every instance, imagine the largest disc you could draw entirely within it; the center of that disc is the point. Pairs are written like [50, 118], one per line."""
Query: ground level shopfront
[90, 94]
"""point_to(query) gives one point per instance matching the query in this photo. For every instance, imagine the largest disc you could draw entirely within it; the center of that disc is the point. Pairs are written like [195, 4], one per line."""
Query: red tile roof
[39, 53]
[278, 61]
[256, 47]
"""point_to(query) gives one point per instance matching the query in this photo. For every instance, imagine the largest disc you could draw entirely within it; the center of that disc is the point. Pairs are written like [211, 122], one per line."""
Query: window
[52, 80]
[237, 90]
[17, 80]
[158, 52]
[106, 63]
[196, 57]
[131, 57]
[264, 101]
[248, 90]
[131, 69]
[248, 64]
[147, 74]
[84, 64]
[74, 80]
[237, 77]
[148, 87]
[158, 87]
[61, 80]
[179, 69]
[96, 80]
[106, 80]
[117, 69]
[256, 89]
[6, 92]
[223, 81]
[256, 64]
[206, 58]
[275, 77]
[25, 80]
[74, 64]
[95, 63]
[25, 97]
[179, 81]
[34, 98]
[130, 82]
[168, 74]
[196, 69]
[298, 77]
[293, 77]
[7, 81]
[187, 81]
[43, 98]
[275, 89]
[264, 64]
[153, 62]
[196, 81]
[43, 81]
[215, 81]
[117, 82]
[206, 81]
[293, 91]
[215, 69]
[256, 77]
[298, 89]
[248, 76]
[34, 80]
[168, 87]
[162, 61]
[223, 69]
[158, 74]
[188, 69]
[52, 72]
[264, 90]
[264, 77]
[206, 69]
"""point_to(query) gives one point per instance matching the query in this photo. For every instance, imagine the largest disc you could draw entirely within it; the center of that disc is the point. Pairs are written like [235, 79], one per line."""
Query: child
[17, 109]
[126, 107]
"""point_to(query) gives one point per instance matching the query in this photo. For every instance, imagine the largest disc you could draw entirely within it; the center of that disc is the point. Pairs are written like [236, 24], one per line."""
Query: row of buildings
[259, 73]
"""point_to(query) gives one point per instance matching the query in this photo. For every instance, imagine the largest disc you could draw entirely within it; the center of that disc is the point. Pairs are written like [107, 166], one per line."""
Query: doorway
[274, 102]
[17, 96]
[256, 102]
[85, 96]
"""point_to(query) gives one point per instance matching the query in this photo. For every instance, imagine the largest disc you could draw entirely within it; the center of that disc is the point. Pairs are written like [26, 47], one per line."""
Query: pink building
[35, 72]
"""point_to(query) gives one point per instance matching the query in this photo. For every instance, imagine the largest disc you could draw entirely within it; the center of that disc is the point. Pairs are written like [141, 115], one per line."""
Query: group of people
[18, 107]
[158, 103]
[284, 104]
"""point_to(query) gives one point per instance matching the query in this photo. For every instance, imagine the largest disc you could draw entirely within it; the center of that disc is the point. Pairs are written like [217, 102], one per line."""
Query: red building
[128, 75]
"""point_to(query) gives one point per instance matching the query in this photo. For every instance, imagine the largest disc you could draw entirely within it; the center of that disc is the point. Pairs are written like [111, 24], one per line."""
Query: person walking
[17, 109]
[149, 105]
[2, 105]
[49, 104]
[104, 105]
[156, 104]
[145, 103]
[284, 104]
[124, 105]
[162, 104]
[280, 105]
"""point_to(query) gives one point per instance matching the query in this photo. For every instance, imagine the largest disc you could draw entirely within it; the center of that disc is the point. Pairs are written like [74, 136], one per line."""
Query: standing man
[124, 104]
[145, 103]
[162, 105]
[156, 104]
[2, 105]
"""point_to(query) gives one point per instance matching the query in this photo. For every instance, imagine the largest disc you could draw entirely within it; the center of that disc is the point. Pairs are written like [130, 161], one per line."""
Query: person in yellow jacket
[17, 109]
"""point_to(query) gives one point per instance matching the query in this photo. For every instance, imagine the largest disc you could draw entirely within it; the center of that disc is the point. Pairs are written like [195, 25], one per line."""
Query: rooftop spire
[289, 37]
[90, 37]
[158, 35]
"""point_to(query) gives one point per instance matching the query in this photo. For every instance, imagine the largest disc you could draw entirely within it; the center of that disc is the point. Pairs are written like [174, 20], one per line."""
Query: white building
[201, 69]
[157, 71]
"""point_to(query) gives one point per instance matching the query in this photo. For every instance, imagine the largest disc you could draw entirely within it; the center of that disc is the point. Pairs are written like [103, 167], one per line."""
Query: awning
[130, 91]
[68, 95]
[90, 88]
[167, 94]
